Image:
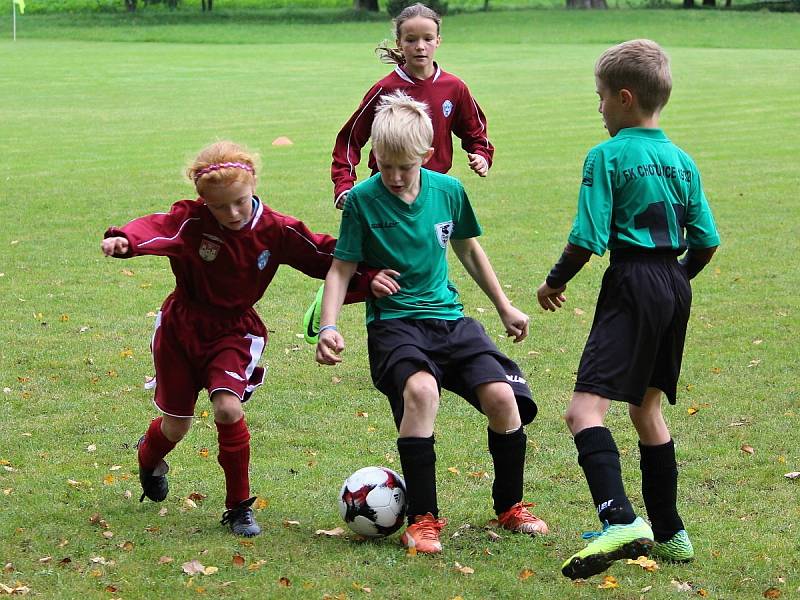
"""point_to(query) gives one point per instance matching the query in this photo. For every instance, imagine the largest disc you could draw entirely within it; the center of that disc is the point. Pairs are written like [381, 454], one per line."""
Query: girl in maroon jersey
[224, 249]
[452, 107]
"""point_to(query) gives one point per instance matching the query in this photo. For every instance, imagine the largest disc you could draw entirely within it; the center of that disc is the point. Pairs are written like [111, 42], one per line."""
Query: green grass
[94, 133]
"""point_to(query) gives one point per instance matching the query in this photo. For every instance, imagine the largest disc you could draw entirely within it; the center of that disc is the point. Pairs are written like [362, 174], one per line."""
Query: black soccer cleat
[241, 519]
[154, 481]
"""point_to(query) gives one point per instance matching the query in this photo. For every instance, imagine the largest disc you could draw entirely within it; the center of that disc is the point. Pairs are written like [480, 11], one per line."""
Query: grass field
[95, 128]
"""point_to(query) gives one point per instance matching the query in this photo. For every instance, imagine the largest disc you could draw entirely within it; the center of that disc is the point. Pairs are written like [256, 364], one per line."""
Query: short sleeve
[592, 226]
[350, 245]
[701, 230]
[465, 223]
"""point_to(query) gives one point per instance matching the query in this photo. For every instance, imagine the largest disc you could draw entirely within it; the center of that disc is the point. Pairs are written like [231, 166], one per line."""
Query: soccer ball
[373, 501]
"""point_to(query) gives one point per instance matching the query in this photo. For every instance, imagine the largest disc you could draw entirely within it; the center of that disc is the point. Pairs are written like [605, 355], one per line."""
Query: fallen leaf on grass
[493, 536]
[792, 475]
[189, 503]
[609, 582]
[284, 582]
[692, 410]
[162, 512]
[681, 586]
[165, 560]
[197, 496]
[261, 504]
[526, 574]
[45, 559]
[193, 567]
[463, 570]
[772, 592]
[362, 413]
[203, 452]
[454, 470]
[646, 589]
[18, 590]
[210, 570]
[108, 534]
[238, 560]
[290, 523]
[646, 563]
[330, 532]
[748, 449]
[257, 565]
[127, 546]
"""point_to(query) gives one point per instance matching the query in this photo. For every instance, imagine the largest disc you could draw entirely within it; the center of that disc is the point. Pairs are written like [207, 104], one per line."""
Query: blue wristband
[328, 328]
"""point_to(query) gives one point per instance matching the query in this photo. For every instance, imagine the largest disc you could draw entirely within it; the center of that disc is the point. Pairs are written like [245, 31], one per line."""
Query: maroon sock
[234, 458]
[154, 446]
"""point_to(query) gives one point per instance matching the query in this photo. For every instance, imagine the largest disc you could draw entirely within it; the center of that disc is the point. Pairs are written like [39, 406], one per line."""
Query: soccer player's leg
[415, 445]
[507, 444]
[624, 535]
[660, 479]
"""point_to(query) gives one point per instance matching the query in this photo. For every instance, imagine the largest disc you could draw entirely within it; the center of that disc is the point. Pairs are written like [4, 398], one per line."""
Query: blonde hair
[402, 127]
[222, 162]
[391, 54]
[640, 66]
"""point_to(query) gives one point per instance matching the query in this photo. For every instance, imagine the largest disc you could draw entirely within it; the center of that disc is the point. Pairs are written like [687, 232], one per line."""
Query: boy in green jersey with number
[641, 198]
[419, 340]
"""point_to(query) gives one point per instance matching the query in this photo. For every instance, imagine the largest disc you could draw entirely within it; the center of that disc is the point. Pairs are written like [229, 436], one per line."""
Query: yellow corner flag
[21, 4]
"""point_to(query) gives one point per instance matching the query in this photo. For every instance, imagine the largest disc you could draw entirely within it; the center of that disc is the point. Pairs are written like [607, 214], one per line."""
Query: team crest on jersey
[447, 108]
[443, 232]
[208, 250]
[263, 259]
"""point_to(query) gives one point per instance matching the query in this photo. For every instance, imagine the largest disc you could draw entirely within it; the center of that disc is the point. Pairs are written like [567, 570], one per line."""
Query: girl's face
[419, 38]
[230, 203]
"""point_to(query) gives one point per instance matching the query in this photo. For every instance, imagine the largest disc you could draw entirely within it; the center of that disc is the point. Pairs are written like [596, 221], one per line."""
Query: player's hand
[478, 164]
[339, 202]
[384, 283]
[115, 245]
[330, 345]
[516, 323]
[550, 298]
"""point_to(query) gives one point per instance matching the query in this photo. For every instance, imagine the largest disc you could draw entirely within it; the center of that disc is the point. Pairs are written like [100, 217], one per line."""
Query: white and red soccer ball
[373, 501]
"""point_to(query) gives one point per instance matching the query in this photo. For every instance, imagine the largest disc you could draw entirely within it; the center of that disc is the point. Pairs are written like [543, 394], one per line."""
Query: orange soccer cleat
[519, 518]
[423, 535]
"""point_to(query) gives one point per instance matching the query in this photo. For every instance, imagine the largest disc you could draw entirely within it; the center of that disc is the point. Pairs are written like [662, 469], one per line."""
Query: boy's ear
[427, 156]
[626, 97]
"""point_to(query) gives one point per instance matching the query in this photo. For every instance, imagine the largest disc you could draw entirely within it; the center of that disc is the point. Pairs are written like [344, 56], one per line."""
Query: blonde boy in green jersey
[404, 219]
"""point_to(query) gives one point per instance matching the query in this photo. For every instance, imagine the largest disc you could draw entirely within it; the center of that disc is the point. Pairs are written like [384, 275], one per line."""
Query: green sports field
[97, 120]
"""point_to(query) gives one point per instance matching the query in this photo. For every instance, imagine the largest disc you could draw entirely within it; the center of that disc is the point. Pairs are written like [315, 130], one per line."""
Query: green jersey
[381, 230]
[641, 190]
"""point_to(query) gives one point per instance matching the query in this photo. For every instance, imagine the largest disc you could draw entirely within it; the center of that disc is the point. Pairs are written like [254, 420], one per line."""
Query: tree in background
[371, 5]
[587, 4]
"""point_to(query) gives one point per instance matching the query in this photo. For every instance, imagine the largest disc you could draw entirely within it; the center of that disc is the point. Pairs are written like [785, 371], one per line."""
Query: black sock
[508, 457]
[660, 489]
[599, 457]
[418, 460]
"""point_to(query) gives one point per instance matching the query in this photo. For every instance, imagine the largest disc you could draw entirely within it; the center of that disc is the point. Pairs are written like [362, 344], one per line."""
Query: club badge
[443, 232]
[263, 259]
[447, 108]
[208, 250]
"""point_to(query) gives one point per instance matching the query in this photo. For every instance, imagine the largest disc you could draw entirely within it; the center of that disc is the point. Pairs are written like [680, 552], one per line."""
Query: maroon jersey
[452, 109]
[226, 269]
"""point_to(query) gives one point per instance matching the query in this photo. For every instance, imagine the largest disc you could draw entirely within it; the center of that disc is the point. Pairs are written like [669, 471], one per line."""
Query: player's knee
[227, 407]
[497, 399]
[174, 428]
[421, 394]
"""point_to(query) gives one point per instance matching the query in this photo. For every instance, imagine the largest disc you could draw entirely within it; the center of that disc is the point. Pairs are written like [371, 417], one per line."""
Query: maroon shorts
[195, 349]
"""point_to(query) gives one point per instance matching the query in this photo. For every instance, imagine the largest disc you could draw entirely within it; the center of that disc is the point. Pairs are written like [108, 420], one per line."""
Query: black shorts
[639, 329]
[458, 354]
